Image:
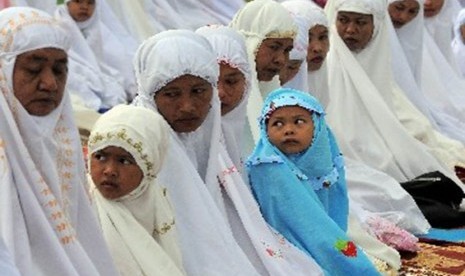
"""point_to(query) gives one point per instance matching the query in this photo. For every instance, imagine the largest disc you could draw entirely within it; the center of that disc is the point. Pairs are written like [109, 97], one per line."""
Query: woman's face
[403, 11]
[81, 10]
[355, 29]
[185, 102]
[318, 47]
[272, 56]
[433, 7]
[231, 87]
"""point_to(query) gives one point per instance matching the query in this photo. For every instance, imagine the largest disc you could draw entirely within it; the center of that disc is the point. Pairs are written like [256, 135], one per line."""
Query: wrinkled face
[433, 7]
[272, 56]
[290, 70]
[356, 29]
[114, 172]
[184, 102]
[318, 47]
[403, 11]
[81, 10]
[462, 32]
[39, 79]
[231, 87]
[290, 129]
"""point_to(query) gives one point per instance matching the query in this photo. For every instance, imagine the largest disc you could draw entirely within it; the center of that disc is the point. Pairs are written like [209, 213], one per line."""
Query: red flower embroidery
[348, 248]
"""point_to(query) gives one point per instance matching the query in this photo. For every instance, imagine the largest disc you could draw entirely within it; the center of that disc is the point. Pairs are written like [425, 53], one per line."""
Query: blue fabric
[304, 195]
[450, 235]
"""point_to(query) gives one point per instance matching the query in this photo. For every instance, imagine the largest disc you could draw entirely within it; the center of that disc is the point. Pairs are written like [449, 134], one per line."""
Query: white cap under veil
[378, 138]
[256, 21]
[191, 168]
[316, 81]
[230, 48]
[458, 46]
[139, 227]
[45, 207]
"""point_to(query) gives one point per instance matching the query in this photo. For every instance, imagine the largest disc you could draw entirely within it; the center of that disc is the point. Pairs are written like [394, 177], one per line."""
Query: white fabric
[458, 46]
[88, 76]
[45, 219]
[263, 245]
[440, 27]
[361, 91]
[256, 21]
[7, 266]
[139, 227]
[230, 48]
[377, 192]
[45, 5]
[191, 168]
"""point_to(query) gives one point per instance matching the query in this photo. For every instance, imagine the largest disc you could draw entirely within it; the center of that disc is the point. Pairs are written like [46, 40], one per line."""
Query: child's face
[231, 87]
[318, 47]
[81, 10]
[272, 56]
[355, 29]
[185, 102]
[403, 11]
[290, 70]
[433, 7]
[114, 172]
[290, 129]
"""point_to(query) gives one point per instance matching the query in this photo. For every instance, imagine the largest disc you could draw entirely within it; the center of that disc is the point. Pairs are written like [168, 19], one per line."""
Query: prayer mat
[449, 235]
[435, 258]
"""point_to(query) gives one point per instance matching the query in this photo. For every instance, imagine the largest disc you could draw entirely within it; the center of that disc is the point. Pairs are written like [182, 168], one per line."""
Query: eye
[125, 161]
[399, 8]
[199, 90]
[277, 123]
[288, 49]
[98, 156]
[170, 93]
[231, 82]
[300, 121]
[323, 37]
[342, 20]
[33, 71]
[60, 70]
[274, 47]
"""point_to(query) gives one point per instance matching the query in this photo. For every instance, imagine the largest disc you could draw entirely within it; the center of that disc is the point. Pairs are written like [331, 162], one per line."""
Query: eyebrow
[37, 58]
[233, 74]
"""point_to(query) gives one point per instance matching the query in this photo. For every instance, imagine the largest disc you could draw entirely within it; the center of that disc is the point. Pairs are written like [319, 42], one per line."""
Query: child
[297, 175]
[127, 146]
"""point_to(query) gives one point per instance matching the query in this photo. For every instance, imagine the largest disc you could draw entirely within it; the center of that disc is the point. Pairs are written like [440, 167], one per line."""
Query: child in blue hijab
[297, 176]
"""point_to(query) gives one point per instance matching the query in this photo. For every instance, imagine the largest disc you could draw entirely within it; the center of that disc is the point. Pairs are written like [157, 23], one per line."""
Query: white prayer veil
[458, 45]
[230, 49]
[46, 220]
[191, 168]
[269, 252]
[257, 21]
[377, 138]
[440, 27]
[139, 227]
[316, 81]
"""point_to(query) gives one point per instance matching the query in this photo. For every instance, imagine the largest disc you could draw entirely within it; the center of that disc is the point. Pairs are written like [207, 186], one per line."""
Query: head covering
[45, 205]
[230, 48]
[191, 167]
[364, 91]
[257, 21]
[314, 82]
[310, 182]
[458, 45]
[139, 227]
[259, 241]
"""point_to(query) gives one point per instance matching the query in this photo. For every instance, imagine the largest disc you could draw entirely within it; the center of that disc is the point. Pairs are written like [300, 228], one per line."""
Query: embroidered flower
[347, 248]
[271, 252]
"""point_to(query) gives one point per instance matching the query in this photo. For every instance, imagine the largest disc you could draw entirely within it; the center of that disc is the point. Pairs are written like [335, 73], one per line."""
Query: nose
[186, 105]
[110, 169]
[289, 130]
[351, 28]
[48, 82]
[281, 59]
[427, 2]
[221, 92]
[316, 47]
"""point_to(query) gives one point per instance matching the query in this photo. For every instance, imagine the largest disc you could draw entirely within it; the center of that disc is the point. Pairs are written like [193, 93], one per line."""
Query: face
[184, 102]
[462, 32]
[355, 29]
[39, 79]
[272, 56]
[290, 70]
[433, 7]
[81, 10]
[231, 87]
[114, 172]
[318, 47]
[402, 12]
[290, 129]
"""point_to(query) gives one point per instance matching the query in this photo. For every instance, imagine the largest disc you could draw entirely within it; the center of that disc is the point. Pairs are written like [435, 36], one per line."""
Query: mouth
[291, 142]
[317, 60]
[109, 185]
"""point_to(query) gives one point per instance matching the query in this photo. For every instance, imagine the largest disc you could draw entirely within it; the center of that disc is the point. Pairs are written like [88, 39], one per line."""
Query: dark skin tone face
[318, 47]
[184, 102]
[39, 79]
[355, 29]
[402, 12]
[272, 56]
[231, 87]
[81, 10]
[433, 7]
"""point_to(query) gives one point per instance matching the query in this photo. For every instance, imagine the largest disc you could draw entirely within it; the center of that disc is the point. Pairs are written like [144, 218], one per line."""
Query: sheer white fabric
[46, 220]
[361, 91]
[191, 168]
[458, 46]
[139, 227]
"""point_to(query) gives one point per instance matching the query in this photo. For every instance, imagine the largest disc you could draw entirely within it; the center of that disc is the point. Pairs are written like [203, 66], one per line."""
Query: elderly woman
[46, 219]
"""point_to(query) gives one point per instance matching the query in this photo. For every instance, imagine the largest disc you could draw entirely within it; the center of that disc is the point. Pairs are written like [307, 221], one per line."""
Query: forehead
[290, 111]
[318, 29]
[355, 15]
[278, 41]
[226, 69]
[407, 3]
[186, 80]
[44, 55]
[115, 150]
